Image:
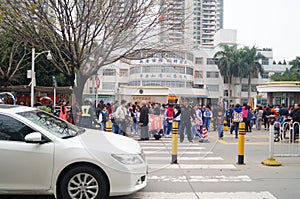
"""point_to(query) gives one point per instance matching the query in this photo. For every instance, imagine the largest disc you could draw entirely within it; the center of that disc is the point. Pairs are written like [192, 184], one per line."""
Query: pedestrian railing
[286, 139]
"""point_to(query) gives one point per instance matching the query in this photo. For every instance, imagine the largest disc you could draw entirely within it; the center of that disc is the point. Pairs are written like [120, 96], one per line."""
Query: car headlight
[129, 159]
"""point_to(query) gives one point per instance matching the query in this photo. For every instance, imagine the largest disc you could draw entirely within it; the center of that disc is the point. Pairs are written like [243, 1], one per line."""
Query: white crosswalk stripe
[166, 148]
[185, 158]
[179, 152]
[203, 195]
[191, 158]
[192, 166]
[200, 178]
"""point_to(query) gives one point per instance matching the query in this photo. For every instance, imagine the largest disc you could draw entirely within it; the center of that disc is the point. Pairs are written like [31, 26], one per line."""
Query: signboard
[155, 122]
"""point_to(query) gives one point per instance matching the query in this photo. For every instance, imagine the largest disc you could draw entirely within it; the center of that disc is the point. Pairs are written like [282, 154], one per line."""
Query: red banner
[155, 122]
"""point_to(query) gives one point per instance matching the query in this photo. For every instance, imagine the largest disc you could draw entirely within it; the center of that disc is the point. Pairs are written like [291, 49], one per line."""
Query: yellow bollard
[225, 125]
[241, 142]
[175, 126]
[174, 146]
[108, 126]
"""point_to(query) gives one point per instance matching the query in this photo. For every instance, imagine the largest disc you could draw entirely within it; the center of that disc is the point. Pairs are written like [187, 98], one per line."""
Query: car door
[23, 166]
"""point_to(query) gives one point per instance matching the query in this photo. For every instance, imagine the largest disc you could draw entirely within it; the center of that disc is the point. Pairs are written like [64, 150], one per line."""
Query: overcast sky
[266, 24]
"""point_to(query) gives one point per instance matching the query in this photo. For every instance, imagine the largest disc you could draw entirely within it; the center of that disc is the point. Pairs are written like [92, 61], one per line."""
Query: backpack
[237, 117]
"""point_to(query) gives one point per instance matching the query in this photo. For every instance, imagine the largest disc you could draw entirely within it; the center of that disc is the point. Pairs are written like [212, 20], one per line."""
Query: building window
[134, 83]
[265, 61]
[226, 93]
[198, 74]
[211, 61]
[212, 74]
[253, 88]
[123, 72]
[109, 72]
[189, 71]
[146, 69]
[199, 60]
[134, 70]
[92, 90]
[108, 85]
[265, 76]
[172, 84]
[245, 88]
[212, 87]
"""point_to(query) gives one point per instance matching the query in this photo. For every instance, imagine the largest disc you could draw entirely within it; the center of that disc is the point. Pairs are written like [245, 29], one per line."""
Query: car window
[51, 123]
[12, 129]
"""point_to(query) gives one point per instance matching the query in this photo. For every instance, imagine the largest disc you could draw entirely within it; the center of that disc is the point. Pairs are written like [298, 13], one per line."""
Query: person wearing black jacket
[144, 120]
[266, 114]
[295, 115]
[187, 114]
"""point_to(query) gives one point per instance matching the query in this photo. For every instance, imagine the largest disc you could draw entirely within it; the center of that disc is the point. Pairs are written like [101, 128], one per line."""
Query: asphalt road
[210, 170]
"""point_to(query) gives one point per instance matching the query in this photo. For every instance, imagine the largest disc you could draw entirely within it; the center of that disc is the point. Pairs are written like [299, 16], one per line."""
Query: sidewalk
[257, 148]
[257, 137]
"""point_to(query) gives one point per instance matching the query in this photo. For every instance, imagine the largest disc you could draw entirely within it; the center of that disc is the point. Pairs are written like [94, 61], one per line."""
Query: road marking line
[192, 166]
[168, 144]
[203, 195]
[200, 178]
[179, 148]
[185, 152]
[184, 158]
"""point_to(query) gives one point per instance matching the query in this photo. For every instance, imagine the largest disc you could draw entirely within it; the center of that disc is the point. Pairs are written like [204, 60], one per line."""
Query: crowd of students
[126, 118]
[262, 116]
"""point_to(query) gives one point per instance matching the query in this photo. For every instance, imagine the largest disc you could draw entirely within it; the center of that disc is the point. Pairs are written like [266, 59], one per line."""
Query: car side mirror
[34, 137]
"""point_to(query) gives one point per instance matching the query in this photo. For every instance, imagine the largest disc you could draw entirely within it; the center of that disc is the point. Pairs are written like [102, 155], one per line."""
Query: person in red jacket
[63, 111]
[169, 118]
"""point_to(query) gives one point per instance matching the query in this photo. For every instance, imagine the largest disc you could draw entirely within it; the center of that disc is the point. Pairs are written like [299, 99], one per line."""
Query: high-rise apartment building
[191, 23]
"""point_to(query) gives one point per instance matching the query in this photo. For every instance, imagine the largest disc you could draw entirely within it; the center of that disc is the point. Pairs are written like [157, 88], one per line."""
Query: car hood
[95, 140]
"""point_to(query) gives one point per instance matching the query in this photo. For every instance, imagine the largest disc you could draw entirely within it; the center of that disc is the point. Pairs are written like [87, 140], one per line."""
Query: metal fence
[286, 141]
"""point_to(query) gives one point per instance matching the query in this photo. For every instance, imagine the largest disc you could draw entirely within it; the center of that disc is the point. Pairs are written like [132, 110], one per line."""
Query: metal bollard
[174, 146]
[241, 142]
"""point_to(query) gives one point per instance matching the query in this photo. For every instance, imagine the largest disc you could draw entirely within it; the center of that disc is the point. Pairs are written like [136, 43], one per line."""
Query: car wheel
[83, 182]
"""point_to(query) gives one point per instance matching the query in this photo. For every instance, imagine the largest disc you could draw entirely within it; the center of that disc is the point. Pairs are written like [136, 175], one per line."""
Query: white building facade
[191, 23]
[171, 75]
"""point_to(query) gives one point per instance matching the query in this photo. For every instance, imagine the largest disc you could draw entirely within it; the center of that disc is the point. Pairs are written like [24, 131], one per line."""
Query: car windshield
[52, 124]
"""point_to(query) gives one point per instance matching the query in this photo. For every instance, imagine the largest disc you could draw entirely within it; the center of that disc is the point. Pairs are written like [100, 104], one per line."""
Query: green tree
[85, 35]
[227, 60]
[295, 64]
[250, 64]
[292, 74]
[16, 60]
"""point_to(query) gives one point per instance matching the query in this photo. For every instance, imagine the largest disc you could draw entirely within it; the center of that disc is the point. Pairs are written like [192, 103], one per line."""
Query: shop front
[278, 93]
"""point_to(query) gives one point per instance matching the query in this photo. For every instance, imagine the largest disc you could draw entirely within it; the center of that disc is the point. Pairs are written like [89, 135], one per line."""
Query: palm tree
[226, 62]
[251, 65]
[240, 69]
[295, 64]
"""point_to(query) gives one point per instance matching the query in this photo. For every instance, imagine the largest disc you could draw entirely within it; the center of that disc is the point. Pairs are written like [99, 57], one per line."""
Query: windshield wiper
[69, 136]
[81, 130]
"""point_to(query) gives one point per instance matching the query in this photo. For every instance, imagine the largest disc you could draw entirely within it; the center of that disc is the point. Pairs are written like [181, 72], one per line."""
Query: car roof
[7, 108]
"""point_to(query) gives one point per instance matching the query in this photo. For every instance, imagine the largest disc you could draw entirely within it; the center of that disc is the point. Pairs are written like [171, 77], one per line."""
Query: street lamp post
[34, 56]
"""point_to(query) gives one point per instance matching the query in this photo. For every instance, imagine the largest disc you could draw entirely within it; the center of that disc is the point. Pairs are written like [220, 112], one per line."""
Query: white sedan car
[42, 154]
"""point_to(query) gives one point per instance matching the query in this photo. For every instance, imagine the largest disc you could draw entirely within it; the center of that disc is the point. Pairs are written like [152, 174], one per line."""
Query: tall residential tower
[191, 23]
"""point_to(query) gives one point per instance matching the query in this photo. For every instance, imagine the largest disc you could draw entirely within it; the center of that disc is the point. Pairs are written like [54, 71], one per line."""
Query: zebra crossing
[192, 158]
